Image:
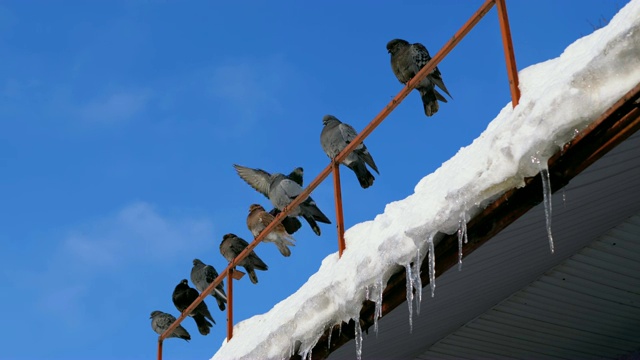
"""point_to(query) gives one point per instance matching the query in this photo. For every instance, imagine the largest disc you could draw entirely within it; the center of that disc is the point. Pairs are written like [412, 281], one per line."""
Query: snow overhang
[612, 128]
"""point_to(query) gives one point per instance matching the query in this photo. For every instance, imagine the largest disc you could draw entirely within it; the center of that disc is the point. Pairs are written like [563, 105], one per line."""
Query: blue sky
[120, 120]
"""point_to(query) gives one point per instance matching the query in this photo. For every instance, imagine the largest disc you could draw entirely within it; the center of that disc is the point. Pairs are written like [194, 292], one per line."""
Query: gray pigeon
[291, 223]
[406, 60]
[183, 296]
[232, 245]
[281, 191]
[202, 275]
[335, 136]
[161, 321]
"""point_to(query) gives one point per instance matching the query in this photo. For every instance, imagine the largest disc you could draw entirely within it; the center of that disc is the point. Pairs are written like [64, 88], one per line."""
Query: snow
[559, 98]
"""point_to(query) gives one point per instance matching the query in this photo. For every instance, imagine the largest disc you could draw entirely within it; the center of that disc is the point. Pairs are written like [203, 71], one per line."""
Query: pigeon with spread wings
[281, 190]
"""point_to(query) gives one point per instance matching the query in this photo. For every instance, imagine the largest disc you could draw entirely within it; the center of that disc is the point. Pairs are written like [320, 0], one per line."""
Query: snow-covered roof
[560, 97]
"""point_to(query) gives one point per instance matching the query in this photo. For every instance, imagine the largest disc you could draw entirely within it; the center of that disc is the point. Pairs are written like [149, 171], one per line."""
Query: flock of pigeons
[406, 60]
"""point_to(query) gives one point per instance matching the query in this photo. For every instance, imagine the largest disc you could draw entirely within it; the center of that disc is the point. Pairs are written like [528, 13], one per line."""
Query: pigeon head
[255, 207]
[396, 44]
[197, 262]
[226, 236]
[184, 282]
[328, 118]
[155, 313]
[298, 171]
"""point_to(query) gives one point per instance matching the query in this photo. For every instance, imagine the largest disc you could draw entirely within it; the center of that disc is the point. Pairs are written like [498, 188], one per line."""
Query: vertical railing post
[338, 199]
[229, 304]
[159, 349]
[507, 43]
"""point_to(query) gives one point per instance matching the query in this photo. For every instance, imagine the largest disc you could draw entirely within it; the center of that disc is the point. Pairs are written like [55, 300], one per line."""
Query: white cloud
[122, 249]
[116, 107]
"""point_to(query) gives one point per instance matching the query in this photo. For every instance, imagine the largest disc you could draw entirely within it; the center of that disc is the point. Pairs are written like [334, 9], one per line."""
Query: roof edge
[614, 126]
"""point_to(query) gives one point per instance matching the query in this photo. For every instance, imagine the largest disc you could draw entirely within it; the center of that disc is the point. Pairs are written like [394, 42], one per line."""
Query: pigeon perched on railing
[291, 223]
[232, 245]
[160, 322]
[406, 60]
[202, 275]
[258, 219]
[335, 136]
[183, 296]
[281, 191]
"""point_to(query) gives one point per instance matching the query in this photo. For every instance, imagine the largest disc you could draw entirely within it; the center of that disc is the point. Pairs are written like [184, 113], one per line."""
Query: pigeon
[258, 219]
[296, 175]
[406, 60]
[335, 136]
[160, 322]
[183, 296]
[291, 223]
[202, 275]
[232, 245]
[281, 191]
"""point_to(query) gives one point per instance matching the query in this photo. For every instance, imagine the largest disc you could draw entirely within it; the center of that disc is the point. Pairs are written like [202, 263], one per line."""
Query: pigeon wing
[348, 134]
[290, 188]
[256, 178]
[421, 57]
[210, 274]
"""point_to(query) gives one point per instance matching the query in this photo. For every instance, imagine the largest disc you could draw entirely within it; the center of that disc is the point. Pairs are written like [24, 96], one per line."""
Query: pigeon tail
[252, 275]
[284, 250]
[283, 244]
[439, 96]
[205, 312]
[220, 303]
[181, 333]
[365, 178]
[429, 101]
[312, 223]
[309, 207]
[438, 82]
[202, 323]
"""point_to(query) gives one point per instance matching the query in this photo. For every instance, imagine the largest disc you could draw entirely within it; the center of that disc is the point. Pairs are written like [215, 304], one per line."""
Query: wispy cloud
[116, 107]
[120, 249]
[251, 89]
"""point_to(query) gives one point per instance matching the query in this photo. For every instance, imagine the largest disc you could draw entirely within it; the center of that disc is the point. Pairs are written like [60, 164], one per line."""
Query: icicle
[409, 295]
[462, 235]
[366, 293]
[546, 186]
[417, 281]
[546, 193]
[432, 266]
[378, 313]
[292, 351]
[358, 339]
[329, 338]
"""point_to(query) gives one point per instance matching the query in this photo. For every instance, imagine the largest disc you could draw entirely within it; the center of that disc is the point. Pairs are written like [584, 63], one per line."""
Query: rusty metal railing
[333, 166]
